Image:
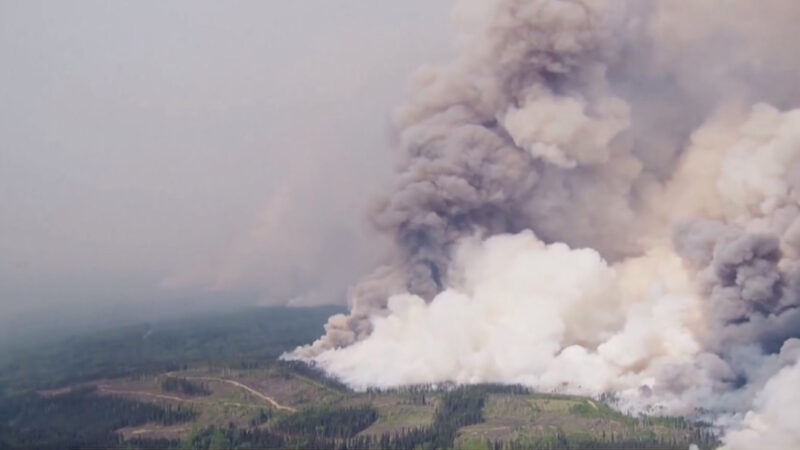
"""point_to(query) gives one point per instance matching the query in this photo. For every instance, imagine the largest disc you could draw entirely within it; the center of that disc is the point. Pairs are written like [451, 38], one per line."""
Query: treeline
[460, 407]
[77, 419]
[151, 444]
[261, 418]
[309, 370]
[321, 428]
[212, 438]
[561, 441]
[494, 388]
[184, 386]
[235, 438]
[326, 422]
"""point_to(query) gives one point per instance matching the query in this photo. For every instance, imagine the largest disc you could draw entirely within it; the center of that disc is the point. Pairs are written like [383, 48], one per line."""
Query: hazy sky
[165, 151]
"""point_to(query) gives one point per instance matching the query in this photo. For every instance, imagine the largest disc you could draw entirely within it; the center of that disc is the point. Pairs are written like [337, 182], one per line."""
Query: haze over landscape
[568, 223]
[163, 152]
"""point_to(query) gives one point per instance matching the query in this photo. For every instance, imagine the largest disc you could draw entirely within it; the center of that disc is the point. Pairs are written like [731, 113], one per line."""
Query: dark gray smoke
[639, 129]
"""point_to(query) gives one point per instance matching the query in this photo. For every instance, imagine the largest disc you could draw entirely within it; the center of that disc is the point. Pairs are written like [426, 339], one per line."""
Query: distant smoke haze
[174, 152]
[595, 197]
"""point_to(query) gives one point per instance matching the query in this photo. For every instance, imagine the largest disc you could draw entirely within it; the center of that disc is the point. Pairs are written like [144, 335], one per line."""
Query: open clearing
[255, 398]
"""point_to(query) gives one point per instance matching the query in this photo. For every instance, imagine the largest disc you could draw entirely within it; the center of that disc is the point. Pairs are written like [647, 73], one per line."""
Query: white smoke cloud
[559, 131]
[546, 316]
[590, 202]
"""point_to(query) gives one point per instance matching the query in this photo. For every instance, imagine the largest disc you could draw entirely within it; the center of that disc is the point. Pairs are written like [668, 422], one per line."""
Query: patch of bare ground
[47, 393]
[155, 431]
[239, 384]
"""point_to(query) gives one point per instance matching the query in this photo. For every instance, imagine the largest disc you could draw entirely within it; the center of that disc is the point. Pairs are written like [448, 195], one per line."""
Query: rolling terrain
[189, 397]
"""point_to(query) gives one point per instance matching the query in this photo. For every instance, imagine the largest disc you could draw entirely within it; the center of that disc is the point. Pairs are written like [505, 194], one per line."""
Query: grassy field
[397, 412]
[233, 399]
[244, 398]
[241, 396]
[539, 419]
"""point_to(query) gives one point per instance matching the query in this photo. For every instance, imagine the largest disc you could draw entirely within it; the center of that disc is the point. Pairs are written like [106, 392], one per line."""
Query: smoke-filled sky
[588, 196]
[596, 197]
[181, 150]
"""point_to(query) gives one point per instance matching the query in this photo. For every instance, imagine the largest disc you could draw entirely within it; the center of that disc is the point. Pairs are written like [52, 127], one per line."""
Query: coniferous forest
[72, 394]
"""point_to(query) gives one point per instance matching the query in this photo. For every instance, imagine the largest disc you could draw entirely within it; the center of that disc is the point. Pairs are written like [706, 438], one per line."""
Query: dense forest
[237, 338]
[184, 386]
[327, 422]
[77, 419]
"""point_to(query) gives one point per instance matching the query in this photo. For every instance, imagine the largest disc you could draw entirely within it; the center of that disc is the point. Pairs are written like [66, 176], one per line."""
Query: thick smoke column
[595, 196]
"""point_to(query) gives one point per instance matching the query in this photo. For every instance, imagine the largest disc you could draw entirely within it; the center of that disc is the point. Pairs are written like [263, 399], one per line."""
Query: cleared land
[240, 397]
[236, 397]
[539, 419]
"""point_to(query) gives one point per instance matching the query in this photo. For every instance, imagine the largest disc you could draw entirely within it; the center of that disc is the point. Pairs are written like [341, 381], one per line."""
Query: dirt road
[260, 395]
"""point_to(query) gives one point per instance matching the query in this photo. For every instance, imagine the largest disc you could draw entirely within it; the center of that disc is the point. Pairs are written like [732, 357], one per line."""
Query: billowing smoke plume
[595, 196]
